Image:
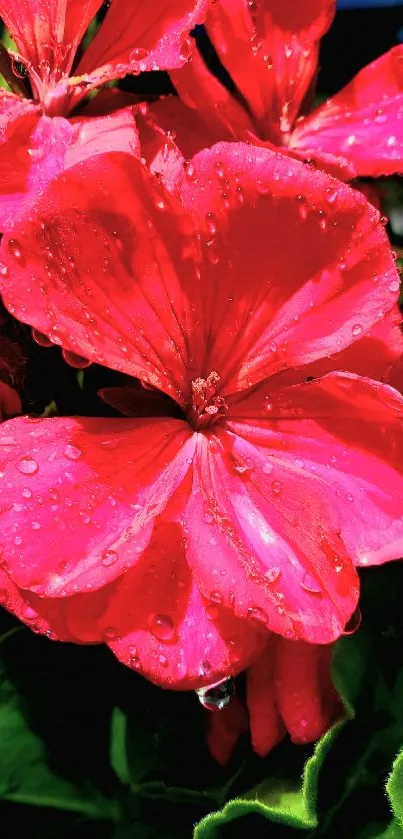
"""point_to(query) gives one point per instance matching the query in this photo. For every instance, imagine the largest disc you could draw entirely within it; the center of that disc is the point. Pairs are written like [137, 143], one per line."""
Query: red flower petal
[158, 622]
[220, 116]
[270, 50]
[192, 132]
[362, 123]
[132, 247]
[374, 355]
[47, 33]
[341, 437]
[158, 148]
[305, 696]
[270, 566]
[141, 36]
[225, 729]
[10, 402]
[18, 119]
[266, 725]
[79, 497]
[318, 264]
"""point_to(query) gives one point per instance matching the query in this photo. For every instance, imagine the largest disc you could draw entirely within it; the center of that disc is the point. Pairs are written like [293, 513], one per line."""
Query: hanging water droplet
[27, 465]
[216, 696]
[162, 627]
[354, 623]
[76, 361]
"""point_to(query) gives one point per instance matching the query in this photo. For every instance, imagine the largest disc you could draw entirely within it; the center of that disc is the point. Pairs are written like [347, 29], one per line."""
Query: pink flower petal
[270, 566]
[297, 266]
[141, 36]
[341, 437]
[158, 623]
[134, 250]
[79, 497]
[270, 49]
[361, 124]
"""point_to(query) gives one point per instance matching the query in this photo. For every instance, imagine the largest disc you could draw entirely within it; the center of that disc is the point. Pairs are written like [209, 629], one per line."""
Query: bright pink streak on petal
[135, 37]
[270, 49]
[278, 558]
[317, 262]
[158, 623]
[305, 696]
[342, 438]
[361, 124]
[47, 32]
[266, 725]
[38, 149]
[133, 249]
[88, 492]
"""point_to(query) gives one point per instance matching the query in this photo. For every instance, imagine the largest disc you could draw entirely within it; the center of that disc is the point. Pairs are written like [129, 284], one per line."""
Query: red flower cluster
[253, 302]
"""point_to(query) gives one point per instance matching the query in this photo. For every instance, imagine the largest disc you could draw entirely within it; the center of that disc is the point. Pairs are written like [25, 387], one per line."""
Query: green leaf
[292, 801]
[394, 788]
[25, 774]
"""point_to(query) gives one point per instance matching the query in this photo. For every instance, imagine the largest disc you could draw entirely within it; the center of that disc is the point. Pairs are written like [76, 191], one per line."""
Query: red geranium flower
[288, 689]
[180, 539]
[133, 37]
[270, 49]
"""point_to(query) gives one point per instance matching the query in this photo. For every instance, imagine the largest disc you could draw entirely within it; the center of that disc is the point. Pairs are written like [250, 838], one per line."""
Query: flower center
[206, 407]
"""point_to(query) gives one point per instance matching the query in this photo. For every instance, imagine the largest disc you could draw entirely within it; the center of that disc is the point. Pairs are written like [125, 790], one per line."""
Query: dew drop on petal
[276, 487]
[216, 696]
[311, 584]
[108, 558]
[216, 597]
[162, 627]
[15, 250]
[27, 465]
[72, 452]
[273, 574]
[357, 329]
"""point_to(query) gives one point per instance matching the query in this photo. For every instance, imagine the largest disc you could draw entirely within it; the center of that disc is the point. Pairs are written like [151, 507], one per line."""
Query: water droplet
[76, 361]
[72, 452]
[15, 250]
[40, 339]
[26, 492]
[17, 540]
[138, 54]
[216, 696]
[273, 574]
[394, 285]
[211, 223]
[354, 623]
[276, 487]
[212, 612]
[3, 270]
[216, 597]
[311, 584]
[162, 627]
[27, 465]
[110, 633]
[29, 613]
[357, 329]
[108, 558]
